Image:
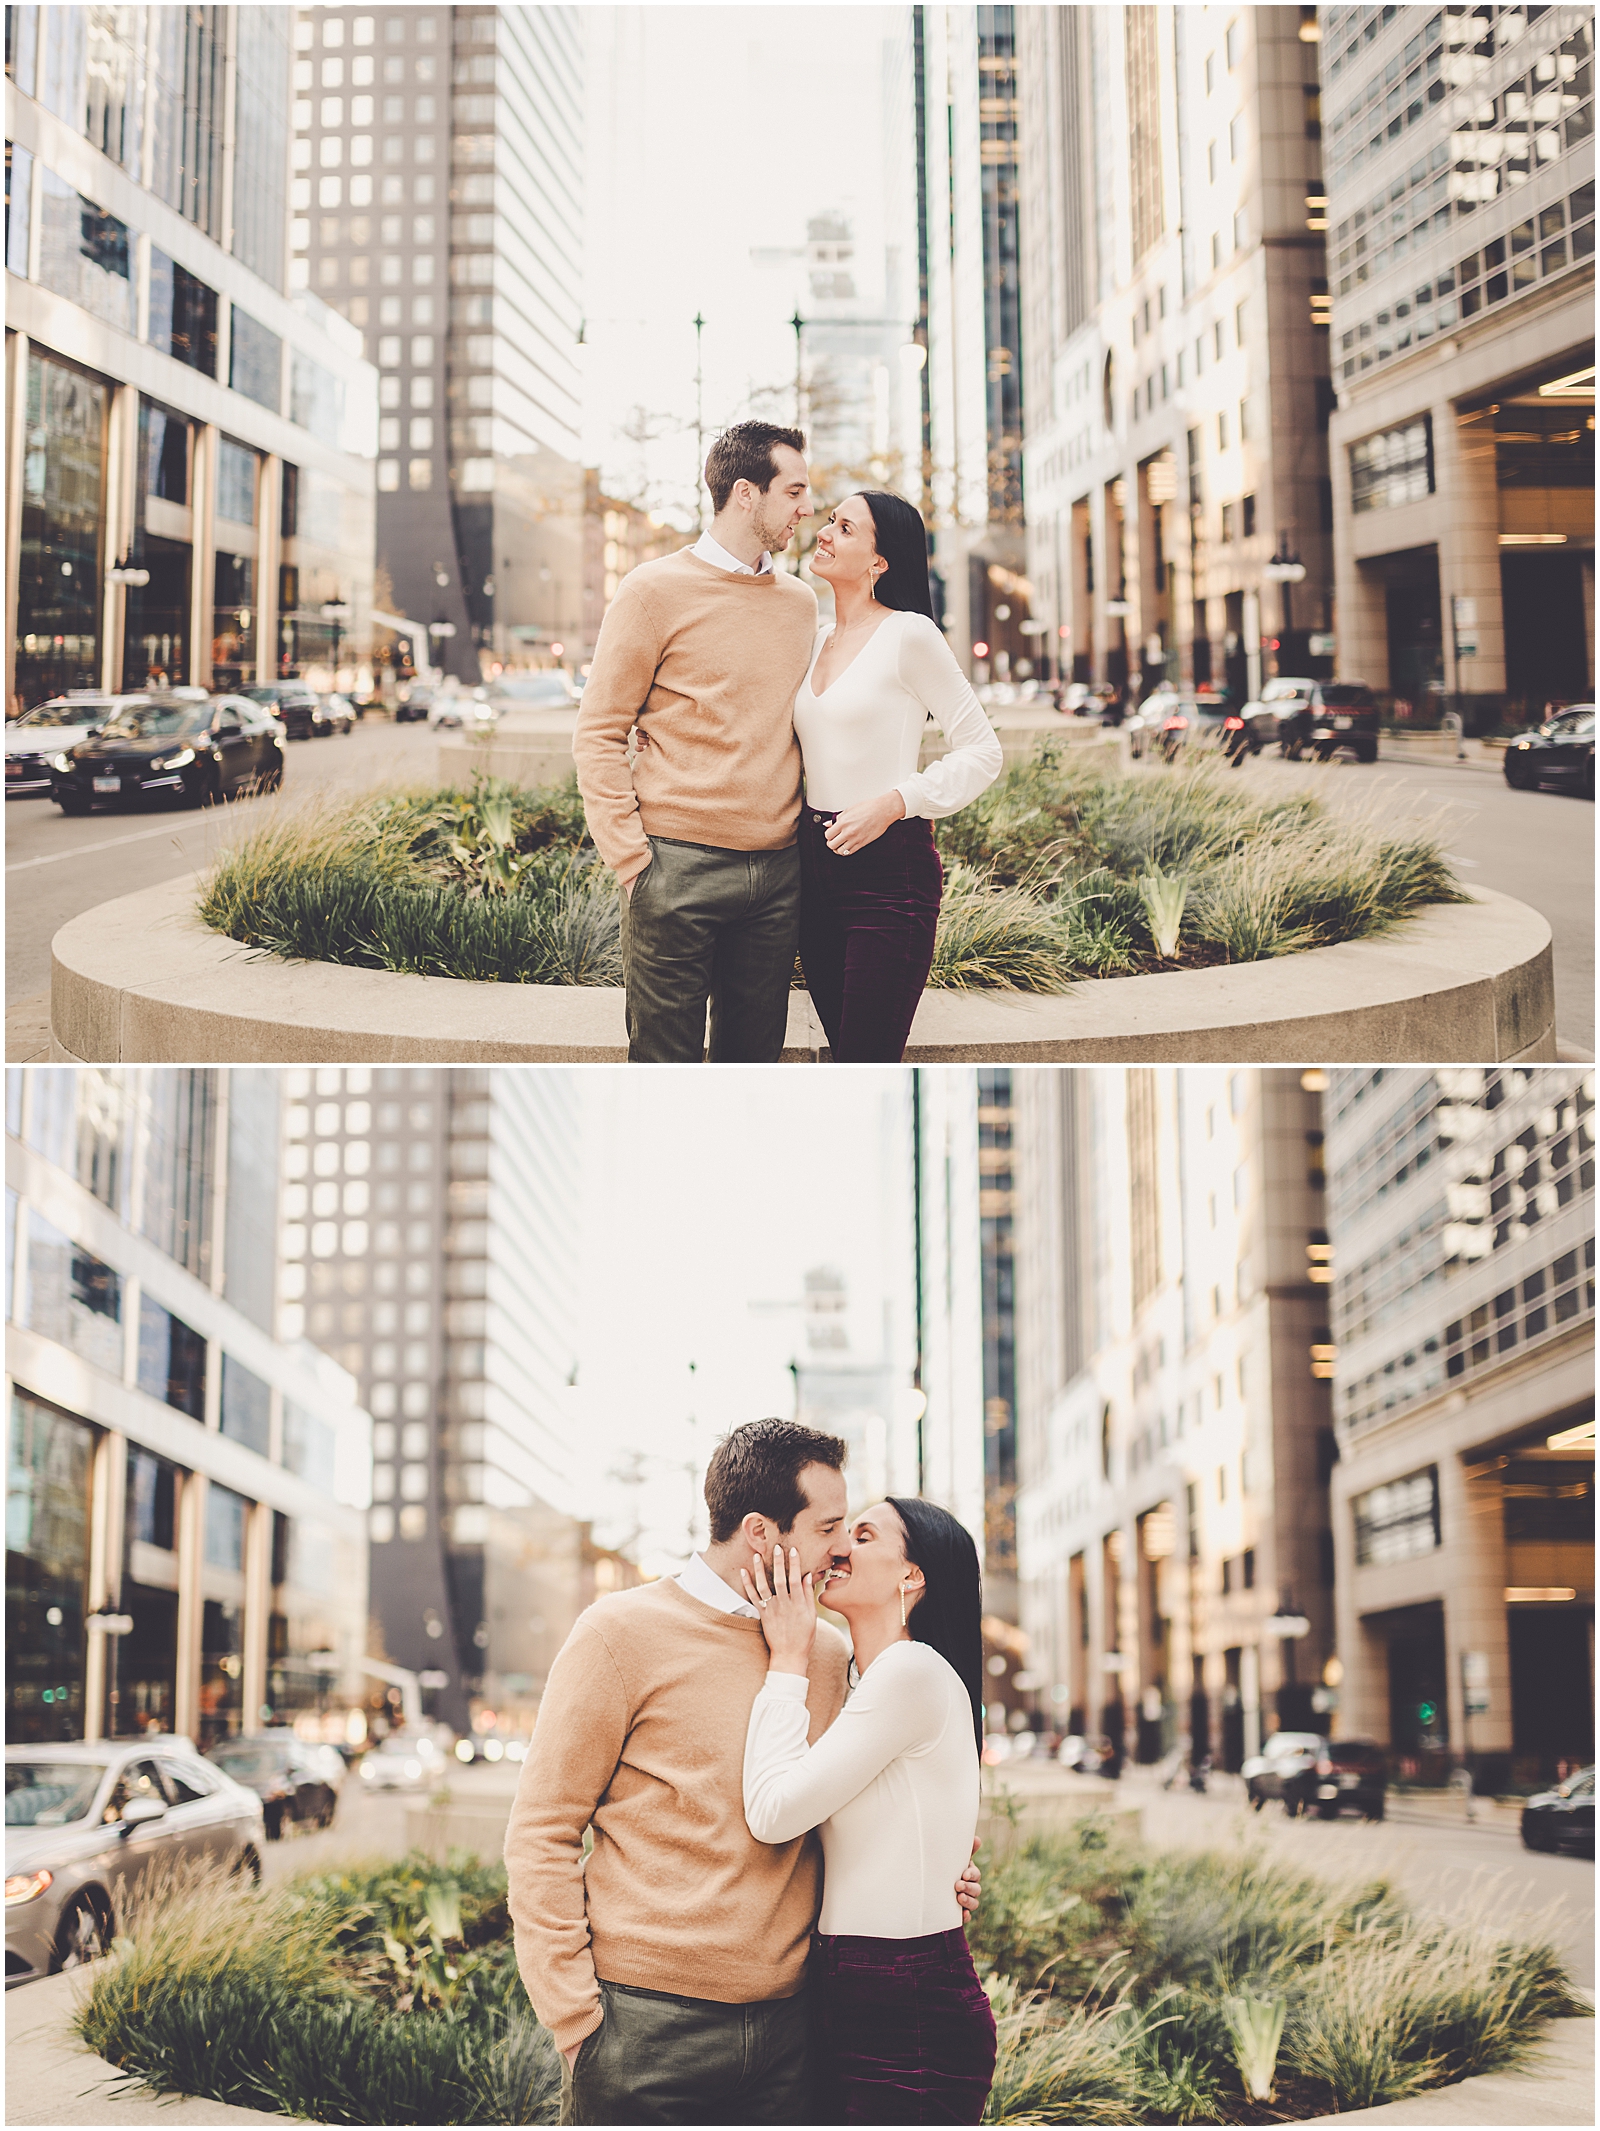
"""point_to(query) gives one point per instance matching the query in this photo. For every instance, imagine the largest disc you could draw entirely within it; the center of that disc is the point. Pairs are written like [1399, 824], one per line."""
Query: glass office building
[436, 204]
[170, 1461]
[427, 1243]
[171, 408]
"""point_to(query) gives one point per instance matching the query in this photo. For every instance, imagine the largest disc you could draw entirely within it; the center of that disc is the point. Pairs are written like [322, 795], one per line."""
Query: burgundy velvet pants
[901, 2031]
[866, 934]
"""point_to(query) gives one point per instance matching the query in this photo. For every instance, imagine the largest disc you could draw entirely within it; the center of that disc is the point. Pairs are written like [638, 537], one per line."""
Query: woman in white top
[902, 2032]
[870, 878]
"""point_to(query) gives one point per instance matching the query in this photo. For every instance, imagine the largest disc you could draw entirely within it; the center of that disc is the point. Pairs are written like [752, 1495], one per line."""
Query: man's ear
[758, 1534]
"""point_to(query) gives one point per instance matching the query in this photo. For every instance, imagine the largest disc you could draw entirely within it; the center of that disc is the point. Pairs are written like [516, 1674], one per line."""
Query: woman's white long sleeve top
[892, 1784]
[863, 734]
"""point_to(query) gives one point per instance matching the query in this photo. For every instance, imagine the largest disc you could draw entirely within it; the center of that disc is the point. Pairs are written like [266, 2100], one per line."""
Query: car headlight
[63, 763]
[26, 1886]
[173, 762]
[368, 1771]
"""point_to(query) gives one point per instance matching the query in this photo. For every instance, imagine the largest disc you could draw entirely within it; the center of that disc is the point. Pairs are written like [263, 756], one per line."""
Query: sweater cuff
[786, 1686]
[910, 797]
[567, 2034]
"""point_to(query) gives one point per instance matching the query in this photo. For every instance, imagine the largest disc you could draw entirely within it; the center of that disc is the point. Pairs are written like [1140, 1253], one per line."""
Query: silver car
[87, 1826]
[35, 739]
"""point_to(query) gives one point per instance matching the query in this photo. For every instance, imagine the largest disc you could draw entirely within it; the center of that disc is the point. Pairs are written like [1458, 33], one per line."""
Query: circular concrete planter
[142, 980]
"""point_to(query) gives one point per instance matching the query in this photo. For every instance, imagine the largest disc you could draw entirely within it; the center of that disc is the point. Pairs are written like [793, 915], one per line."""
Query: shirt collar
[702, 1582]
[713, 551]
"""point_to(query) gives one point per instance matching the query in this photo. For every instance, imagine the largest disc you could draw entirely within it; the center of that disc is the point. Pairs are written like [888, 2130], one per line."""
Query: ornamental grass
[1129, 1986]
[1060, 872]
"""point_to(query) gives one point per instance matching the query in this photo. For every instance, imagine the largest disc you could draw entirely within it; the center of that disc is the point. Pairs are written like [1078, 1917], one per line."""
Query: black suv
[1325, 716]
[291, 703]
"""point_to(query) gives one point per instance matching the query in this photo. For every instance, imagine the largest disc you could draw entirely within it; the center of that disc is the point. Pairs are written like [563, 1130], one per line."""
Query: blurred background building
[1173, 1420]
[1461, 1216]
[437, 205]
[185, 1492]
[1175, 338]
[1460, 209]
[427, 1245]
[174, 409]
[968, 206]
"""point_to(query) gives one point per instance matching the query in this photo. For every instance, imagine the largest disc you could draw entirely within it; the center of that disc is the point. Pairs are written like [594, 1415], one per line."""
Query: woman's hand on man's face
[787, 1608]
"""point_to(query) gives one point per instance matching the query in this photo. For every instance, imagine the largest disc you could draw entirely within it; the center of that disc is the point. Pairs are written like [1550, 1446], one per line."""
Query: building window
[73, 1298]
[152, 1500]
[1235, 43]
[255, 365]
[1398, 1521]
[172, 1360]
[1393, 467]
[1227, 524]
[47, 1570]
[1247, 515]
[246, 1406]
[419, 473]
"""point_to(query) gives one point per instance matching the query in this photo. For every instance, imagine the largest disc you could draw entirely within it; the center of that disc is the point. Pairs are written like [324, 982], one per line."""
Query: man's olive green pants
[706, 925]
[656, 2059]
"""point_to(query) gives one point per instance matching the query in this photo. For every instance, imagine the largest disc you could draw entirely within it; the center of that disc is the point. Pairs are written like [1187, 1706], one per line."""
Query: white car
[550, 689]
[51, 729]
[401, 1763]
[467, 710]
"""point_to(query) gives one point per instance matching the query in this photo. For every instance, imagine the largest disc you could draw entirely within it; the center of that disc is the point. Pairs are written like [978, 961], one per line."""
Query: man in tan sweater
[670, 1967]
[702, 653]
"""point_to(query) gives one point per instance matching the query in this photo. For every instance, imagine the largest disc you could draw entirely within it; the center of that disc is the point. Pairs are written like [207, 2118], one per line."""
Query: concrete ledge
[141, 980]
[52, 2077]
[1553, 2085]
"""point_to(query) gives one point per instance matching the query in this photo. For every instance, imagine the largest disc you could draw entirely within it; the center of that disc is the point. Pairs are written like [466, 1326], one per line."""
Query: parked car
[183, 745]
[551, 689]
[333, 714]
[290, 1778]
[88, 1826]
[49, 729]
[464, 710]
[1562, 1819]
[292, 703]
[414, 705]
[1560, 752]
[400, 1763]
[1352, 1775]
[1284, 1769]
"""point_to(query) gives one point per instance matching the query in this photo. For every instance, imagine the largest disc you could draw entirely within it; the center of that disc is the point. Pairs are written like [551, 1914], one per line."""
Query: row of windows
[423, 27]
[77, 1300]
[331, 192]
[329, 74]
[1534, 249]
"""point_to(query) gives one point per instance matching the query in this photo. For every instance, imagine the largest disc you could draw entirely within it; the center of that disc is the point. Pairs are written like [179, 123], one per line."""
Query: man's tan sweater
[707, 663]
[641, 1735]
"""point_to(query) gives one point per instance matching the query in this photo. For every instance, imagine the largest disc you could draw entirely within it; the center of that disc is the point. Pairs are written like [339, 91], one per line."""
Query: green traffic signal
[1427, 1711]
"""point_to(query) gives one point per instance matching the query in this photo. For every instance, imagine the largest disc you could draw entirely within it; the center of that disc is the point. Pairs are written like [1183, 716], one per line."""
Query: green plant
[483, 849]
[1164, 896]
[1255, 2027]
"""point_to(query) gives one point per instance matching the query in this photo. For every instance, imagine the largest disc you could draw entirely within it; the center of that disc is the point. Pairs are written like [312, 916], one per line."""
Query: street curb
[54, 2078]
[142, 980]
[1554, 2086]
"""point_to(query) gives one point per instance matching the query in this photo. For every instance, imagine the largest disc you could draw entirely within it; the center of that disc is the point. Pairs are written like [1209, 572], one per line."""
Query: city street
[1436, 1858]
[56, 868]
[1538, 846]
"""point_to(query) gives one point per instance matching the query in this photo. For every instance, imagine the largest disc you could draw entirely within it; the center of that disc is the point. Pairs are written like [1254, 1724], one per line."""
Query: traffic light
[1426, 1712]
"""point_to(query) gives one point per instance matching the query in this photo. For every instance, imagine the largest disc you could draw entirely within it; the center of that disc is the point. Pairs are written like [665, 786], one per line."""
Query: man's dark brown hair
[744, 453]
[756, 1471]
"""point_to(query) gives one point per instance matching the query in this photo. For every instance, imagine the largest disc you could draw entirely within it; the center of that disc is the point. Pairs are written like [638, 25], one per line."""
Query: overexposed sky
[707, 1197]
[714, 133]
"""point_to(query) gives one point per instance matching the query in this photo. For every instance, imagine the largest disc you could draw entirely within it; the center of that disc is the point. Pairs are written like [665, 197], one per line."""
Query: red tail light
[1233, 725]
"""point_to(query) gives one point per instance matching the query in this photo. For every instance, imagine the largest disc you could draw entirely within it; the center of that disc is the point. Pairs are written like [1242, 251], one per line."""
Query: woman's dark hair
[948, 1617]
[901, 538]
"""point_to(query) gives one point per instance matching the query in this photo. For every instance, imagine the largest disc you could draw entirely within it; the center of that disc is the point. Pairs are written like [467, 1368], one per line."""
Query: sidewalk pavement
[53, 2078]
[1554, 2086]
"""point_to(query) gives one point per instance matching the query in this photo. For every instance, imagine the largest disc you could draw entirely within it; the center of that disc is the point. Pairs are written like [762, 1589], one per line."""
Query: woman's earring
[902, 1605]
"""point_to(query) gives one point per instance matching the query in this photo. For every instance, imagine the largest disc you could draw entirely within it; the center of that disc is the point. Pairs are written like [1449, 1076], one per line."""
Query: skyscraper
[172, 1463]
[1174, 1438]
[1175, 340]
[426, 1243]
[1460, 209]
[173, 411]
[968, 198]
[437, 205]
[1461, 1220]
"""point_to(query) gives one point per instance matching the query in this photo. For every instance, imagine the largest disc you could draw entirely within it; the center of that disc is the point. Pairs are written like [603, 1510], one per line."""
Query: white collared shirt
[714, 552]
[702, 1581]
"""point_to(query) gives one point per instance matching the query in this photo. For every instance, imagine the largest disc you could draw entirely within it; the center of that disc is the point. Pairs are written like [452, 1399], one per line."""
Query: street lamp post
[699, 424]
[1285, 569]
[336, 611]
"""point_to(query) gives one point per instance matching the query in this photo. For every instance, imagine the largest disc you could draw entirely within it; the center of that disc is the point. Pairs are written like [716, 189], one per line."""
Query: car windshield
[66, 713]
[1339, 695]
[1580, 1786]
[157, 721]
[47, 1794]
[538, 688]
[1570, 722]
[247, 1762]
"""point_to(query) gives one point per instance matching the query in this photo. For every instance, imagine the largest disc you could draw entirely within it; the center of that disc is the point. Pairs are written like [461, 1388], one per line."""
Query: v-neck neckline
[816, 694]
